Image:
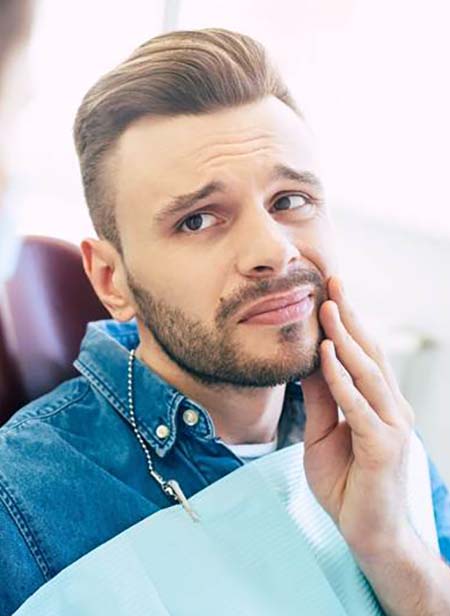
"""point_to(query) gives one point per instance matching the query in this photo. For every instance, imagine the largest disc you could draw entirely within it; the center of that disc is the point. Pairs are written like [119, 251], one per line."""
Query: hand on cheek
[357, 468]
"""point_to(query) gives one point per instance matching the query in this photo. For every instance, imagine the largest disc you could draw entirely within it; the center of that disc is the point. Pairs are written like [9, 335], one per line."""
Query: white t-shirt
[249, 452]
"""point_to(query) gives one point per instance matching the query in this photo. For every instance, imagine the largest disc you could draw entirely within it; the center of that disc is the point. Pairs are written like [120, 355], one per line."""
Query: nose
[266, 247]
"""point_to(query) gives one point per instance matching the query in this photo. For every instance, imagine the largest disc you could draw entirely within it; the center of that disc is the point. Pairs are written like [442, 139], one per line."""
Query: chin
[289, 342]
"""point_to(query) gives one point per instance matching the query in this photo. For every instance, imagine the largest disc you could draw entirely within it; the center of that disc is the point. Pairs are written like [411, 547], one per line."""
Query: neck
[239, 414]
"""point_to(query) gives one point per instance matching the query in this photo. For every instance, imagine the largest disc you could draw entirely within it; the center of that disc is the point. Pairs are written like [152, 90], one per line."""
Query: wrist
[396, 543]
[407, 577]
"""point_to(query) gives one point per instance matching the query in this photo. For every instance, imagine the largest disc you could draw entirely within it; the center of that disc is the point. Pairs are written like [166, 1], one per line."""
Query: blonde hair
[183, 72]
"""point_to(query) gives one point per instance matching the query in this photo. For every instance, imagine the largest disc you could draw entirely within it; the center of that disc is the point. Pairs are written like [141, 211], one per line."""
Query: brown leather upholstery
[43, 317]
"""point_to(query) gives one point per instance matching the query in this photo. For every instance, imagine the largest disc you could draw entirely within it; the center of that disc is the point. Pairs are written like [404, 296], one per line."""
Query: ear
[104, 268]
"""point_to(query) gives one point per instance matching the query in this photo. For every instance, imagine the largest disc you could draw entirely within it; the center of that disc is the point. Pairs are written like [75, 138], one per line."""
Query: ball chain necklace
[170, 487]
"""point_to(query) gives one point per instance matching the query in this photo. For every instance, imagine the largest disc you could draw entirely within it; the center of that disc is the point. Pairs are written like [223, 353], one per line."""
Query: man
[203, 185]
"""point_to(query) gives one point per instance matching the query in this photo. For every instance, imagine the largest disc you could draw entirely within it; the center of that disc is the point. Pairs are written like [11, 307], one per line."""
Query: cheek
[194, 285]
[318, 246]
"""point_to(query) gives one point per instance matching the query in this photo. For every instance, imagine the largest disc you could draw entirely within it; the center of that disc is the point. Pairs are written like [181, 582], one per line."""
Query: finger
[355, 327]
[362, 419]
[365, 373]
[320, 408]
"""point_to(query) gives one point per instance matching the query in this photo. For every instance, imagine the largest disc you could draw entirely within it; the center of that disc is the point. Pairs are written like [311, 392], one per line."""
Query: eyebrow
[185, 202]
[282, 172]
[182, 203]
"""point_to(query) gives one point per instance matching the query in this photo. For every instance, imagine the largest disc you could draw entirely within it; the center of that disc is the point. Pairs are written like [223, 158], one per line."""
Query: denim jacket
[73, 474]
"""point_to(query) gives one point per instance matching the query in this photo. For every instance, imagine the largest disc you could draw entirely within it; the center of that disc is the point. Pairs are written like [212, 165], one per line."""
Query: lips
[275, 303]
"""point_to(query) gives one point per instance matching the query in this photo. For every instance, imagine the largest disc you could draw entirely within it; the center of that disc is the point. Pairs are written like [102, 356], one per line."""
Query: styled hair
[15, 17]
[182, 72]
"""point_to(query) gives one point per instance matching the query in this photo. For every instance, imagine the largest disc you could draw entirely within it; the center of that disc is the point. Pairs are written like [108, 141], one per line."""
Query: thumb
[320, 408]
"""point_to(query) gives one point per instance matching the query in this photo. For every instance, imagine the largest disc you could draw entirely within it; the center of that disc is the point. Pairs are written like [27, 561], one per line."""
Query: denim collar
[103, 361]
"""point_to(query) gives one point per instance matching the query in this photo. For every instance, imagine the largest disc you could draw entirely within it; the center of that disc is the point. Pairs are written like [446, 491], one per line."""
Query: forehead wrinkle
[223, 145]
[234, 135]
[218, 159]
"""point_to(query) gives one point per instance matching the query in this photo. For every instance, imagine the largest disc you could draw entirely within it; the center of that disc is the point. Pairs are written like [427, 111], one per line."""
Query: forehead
[167, 156]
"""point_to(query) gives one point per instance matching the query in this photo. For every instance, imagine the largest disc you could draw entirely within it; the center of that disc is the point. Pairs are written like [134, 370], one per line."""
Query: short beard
[212, 358]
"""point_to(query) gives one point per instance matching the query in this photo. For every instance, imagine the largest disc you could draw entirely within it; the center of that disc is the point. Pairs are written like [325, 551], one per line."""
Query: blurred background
[370, 79]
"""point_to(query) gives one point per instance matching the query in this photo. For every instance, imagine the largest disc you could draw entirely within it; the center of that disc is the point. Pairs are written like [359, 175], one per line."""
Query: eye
[293, 202]
[193, 223]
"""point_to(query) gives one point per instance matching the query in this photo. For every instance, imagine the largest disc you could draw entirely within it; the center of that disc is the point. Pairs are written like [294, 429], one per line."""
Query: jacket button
[190, 417]
[162, 431]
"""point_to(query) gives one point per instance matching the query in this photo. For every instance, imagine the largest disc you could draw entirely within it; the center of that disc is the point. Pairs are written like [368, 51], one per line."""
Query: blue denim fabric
[73, 475]
[441, 506]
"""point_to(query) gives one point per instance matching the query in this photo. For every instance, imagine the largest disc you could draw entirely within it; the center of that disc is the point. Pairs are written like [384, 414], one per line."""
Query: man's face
[253, 225]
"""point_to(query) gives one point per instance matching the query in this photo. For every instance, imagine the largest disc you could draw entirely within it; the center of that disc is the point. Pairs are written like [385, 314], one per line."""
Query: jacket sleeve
[20, 575]
[441, 507]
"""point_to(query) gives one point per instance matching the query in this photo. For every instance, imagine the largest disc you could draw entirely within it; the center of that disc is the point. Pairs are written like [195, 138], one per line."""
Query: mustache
[266, 287]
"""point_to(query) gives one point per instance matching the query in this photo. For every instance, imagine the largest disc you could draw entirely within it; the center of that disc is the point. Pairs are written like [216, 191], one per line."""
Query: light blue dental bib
[262, 547]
